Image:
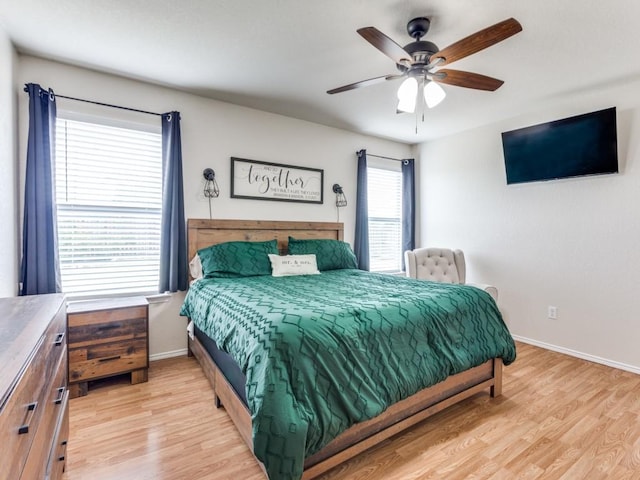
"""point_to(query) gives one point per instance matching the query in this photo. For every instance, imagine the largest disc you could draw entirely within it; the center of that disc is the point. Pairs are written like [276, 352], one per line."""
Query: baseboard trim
[163, 355]
[575, 353]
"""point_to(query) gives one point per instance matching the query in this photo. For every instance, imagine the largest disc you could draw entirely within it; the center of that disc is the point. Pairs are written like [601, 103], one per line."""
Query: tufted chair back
[440, 265]
[436, 264]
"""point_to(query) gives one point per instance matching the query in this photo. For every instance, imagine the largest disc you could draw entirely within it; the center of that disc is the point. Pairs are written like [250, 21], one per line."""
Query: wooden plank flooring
[559, 418]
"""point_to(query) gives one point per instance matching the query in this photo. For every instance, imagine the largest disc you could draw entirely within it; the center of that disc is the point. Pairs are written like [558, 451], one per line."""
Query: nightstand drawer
[103, 360]
[106, 316]
[98, 333]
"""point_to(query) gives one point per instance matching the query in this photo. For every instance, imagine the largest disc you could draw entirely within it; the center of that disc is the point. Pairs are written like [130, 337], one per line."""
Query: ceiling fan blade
[459, 78]
[477, 41]
[387, 46]
[363, 83]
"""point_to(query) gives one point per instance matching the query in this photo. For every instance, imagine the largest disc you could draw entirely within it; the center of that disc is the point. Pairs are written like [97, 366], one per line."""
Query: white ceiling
[282, 55]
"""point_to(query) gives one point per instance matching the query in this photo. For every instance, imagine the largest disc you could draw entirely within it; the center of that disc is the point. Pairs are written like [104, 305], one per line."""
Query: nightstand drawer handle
[59, 338]
[108, 359]
[111, 326]
[58, 400]
[31, 410]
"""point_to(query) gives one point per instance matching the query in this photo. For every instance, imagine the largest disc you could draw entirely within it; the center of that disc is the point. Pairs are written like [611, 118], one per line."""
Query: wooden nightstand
[107, 337]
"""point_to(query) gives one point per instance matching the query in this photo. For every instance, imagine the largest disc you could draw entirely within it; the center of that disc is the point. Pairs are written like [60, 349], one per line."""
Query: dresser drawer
[53, 409]
[58, 457]
[25, 407]
[105, 359]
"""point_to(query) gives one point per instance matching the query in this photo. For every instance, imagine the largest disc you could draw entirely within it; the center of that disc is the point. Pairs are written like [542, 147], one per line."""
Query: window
[109, 201]
[384, 180]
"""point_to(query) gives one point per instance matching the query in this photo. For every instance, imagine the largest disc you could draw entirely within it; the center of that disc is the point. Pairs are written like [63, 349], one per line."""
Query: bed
[228, 371]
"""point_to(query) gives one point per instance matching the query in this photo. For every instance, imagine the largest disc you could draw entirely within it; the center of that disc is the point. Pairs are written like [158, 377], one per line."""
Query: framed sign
[274, 181]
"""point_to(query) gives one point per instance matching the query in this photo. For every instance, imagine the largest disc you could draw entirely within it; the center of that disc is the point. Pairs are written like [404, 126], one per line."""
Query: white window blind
[385, 219]
[109, 200]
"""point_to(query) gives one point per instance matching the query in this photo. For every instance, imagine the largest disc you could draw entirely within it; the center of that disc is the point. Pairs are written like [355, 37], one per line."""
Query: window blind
[109, 200]
[385, 219]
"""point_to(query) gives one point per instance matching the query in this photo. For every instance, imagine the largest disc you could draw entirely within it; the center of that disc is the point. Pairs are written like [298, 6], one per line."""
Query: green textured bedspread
[322, 352]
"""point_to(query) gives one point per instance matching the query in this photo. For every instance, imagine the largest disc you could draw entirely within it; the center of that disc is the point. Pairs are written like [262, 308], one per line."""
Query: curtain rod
[386, 158]
[108, 105]
[100, 103]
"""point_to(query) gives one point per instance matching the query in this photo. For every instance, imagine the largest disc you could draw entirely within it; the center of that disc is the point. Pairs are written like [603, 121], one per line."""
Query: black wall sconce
[341, 199]
[211, 189]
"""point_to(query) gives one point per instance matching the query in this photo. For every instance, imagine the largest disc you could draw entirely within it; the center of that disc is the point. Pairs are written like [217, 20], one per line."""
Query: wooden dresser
[107, 337]
[34, 412]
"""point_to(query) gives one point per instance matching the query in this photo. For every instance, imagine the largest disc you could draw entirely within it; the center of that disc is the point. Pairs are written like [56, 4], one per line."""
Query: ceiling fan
[419, 62]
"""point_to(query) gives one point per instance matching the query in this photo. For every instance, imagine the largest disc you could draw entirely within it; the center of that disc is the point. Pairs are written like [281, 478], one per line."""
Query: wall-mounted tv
[572, 147]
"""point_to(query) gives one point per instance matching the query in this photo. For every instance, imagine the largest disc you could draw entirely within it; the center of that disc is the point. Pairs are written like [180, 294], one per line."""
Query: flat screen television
[572, 147]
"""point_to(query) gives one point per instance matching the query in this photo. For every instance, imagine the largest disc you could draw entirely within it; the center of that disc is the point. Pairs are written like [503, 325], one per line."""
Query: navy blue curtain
[173, 236]
[408, 206]
[40, 270]
[361, 241]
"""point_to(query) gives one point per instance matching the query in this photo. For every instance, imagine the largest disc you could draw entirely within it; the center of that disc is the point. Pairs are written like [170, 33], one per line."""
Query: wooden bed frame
[359, 437]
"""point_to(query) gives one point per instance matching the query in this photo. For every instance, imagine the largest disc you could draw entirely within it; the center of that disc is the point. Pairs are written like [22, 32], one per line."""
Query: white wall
[212, 132]
[9, 252]
[569, 243]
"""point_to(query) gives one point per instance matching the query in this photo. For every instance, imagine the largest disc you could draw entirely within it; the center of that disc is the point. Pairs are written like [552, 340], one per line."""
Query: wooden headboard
[202, 233]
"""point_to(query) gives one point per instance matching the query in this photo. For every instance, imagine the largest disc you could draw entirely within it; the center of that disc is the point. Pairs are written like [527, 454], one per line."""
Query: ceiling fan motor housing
[420, 50]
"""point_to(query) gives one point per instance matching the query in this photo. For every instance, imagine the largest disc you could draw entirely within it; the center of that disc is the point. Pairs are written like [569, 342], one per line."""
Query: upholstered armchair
[441, 265]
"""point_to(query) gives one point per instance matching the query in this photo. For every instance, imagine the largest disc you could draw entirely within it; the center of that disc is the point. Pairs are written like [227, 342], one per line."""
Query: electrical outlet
[552, 312]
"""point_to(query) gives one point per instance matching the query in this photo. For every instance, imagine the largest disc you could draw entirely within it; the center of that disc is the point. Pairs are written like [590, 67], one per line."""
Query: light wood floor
[559, 418]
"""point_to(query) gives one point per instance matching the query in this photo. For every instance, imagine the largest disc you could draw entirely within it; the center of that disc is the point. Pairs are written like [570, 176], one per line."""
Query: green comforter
[322, 352]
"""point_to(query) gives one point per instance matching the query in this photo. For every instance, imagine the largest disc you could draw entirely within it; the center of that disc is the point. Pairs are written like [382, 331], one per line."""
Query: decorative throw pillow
[195, 267]
[237, 259]
[285, 265]
[330, 254]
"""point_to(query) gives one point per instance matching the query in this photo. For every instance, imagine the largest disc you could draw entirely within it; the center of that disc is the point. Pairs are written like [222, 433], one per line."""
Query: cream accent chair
[441, 265]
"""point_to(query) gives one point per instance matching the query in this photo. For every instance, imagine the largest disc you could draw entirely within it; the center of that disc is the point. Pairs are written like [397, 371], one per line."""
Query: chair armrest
[490, 289]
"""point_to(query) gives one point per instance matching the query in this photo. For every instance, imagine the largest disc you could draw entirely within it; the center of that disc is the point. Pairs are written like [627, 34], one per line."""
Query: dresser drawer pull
[59, 338]
[109, 359]
[61, 459]
[110, 326]
[31, 410]
[58, 400]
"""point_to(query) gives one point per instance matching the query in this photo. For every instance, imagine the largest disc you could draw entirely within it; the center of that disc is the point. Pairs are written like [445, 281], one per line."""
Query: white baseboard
[163, 355]
[583, 356]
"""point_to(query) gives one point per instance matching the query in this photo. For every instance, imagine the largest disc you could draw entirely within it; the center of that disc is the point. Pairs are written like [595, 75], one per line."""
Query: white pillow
[286, 265]
[195, 268]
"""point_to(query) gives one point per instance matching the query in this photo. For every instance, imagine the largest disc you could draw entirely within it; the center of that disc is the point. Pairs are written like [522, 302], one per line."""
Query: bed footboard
[365, 435]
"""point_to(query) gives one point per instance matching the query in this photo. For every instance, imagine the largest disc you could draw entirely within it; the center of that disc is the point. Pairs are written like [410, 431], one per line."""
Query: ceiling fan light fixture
[407, 93]
[433, 94]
